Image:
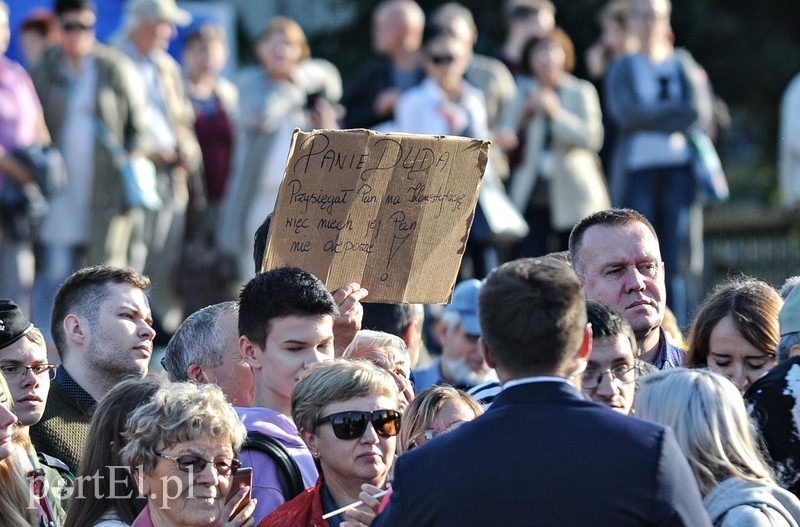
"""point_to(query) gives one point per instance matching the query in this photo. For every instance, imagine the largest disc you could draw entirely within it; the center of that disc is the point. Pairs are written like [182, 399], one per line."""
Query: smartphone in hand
[242, 478]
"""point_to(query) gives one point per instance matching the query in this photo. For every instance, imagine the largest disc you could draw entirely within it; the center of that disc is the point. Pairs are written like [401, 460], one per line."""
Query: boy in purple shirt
[286, 324]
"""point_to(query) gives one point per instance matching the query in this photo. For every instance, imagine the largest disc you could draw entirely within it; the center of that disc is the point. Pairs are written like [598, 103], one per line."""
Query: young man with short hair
[285, 325]
[612, 368]
[23, 363]
[101, 325]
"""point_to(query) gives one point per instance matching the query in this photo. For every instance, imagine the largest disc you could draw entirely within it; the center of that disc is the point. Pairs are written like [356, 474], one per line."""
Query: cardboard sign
[389, 211]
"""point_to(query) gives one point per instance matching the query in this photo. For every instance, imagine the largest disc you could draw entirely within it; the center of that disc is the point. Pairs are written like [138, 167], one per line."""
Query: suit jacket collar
[537, 392]
[74, 393]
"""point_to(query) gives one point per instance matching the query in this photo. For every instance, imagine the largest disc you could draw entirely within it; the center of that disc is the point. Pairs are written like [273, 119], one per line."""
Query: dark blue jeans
[664, 195]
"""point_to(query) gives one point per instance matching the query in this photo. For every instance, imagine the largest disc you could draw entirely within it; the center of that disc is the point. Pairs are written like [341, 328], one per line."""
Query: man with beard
[462, 363]
[101, 325]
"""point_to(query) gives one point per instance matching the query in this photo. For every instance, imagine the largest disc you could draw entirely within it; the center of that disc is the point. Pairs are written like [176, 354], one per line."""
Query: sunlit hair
[14, 492]
[422, 411]
[35, 336]
[106, 434]
[710, 422]
[177, 413]
[367, 339]
[752, 304]
[294, 33]
[338, 380]
[788, 285]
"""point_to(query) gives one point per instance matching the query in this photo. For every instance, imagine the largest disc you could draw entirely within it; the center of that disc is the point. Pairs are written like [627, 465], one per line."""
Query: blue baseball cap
[465, 303]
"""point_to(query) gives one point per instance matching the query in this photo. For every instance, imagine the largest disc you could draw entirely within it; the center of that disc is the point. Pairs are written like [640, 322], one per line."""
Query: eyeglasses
[76, 26]
[622, 374]
[353, 424]
[14, 372]
[196, 464]
[427, 435]
[442, 59]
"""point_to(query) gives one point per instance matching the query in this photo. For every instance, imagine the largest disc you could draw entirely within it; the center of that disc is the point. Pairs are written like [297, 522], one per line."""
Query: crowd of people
[555, 388]
[564, 147]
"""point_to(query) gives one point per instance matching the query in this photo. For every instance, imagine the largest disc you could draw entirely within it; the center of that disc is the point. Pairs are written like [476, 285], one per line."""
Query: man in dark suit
[542, 455]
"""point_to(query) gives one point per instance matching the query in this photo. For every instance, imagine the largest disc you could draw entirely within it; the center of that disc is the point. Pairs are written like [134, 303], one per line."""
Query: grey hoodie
[739, 503]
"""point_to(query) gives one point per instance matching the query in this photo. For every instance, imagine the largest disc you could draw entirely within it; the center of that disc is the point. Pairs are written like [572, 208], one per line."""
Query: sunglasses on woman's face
[196, 464]
[440, 60]
[353, 424]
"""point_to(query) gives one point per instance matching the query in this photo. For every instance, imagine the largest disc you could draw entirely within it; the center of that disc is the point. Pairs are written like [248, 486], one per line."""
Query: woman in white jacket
[444, 103]
[712, 426]
[559, 179]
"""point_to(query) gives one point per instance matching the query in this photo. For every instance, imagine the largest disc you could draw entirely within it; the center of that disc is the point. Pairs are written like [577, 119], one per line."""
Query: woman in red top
[347, 413]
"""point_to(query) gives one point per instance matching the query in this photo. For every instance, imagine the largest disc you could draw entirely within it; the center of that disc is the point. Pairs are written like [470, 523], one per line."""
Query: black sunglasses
[353, 424]
[442, 59]
[76, 26]
[196, 464]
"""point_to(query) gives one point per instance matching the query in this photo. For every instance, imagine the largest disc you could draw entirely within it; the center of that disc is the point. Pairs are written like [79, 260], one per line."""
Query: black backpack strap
[283, 459]
[54, 463]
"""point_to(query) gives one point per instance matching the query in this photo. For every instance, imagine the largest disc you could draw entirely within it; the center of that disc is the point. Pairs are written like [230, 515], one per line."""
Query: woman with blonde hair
[735, 332]
[348, 415]
[15, 497]
[435, 411]
[713, 429]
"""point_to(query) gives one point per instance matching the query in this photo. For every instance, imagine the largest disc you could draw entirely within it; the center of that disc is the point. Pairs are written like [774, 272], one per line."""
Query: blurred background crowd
[216, 122]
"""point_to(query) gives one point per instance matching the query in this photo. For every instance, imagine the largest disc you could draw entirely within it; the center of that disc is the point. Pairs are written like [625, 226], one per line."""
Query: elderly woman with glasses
[347, 413]
[182, 451]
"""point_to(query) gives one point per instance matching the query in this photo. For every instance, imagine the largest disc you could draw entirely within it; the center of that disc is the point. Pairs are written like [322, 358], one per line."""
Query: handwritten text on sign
[390, 211]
